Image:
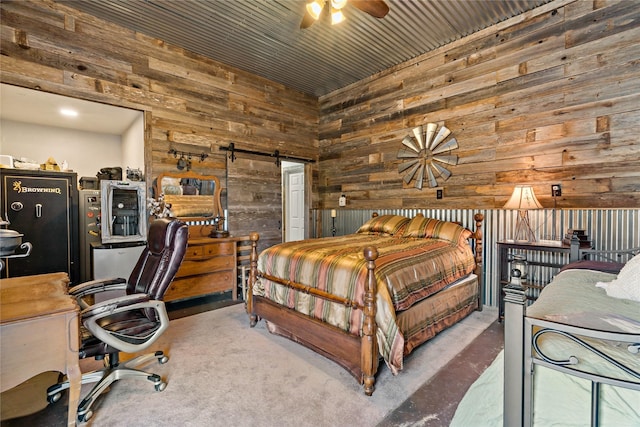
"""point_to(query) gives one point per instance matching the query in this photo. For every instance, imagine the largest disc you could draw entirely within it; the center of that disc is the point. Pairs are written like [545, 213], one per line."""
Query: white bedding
[560, 400]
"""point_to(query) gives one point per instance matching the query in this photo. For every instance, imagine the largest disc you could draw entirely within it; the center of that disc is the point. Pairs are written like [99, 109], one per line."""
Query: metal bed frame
[522, 353]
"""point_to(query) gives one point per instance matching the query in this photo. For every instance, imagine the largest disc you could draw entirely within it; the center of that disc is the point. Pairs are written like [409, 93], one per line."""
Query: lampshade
[315, 8]
[338, 4]
[523, 198]
[336, 16]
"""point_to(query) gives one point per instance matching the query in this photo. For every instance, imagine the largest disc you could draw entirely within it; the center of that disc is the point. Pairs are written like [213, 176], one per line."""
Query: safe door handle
[38, 210]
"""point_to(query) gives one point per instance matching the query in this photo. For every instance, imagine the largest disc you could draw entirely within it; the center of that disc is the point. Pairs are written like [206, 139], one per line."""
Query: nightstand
[550, 255]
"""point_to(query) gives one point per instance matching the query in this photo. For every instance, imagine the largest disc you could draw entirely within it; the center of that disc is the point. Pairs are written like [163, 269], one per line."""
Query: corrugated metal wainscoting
[607, 229]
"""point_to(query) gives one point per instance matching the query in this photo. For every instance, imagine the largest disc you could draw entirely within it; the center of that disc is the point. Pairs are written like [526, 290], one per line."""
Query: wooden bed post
[514, 312]
[252, 278]
[477, 235]
[369, 345]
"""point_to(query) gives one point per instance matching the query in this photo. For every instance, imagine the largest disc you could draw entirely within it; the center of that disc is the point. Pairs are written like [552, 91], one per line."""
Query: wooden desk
[39, 328]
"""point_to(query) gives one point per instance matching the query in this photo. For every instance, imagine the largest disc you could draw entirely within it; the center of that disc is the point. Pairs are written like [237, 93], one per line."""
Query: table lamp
[523, 199]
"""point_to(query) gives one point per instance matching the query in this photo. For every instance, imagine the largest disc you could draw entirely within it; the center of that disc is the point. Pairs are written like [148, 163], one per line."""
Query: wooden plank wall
[551, 97]
[191, 103]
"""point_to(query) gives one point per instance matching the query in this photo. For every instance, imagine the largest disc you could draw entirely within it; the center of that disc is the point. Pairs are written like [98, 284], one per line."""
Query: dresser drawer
[209, 266]
[191, 267]
[194, 252]
[194, 286]
[209, 250]
[215, 249]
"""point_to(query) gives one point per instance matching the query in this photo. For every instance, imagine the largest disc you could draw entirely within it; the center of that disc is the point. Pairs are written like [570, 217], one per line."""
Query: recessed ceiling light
[68, 112]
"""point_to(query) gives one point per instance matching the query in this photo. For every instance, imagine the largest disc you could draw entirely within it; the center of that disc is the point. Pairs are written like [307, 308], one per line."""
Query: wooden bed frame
[521, 353]
[357, 354]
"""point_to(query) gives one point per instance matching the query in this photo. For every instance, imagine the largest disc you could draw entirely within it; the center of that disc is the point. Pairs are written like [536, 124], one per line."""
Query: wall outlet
[556, 190]
[438, 194]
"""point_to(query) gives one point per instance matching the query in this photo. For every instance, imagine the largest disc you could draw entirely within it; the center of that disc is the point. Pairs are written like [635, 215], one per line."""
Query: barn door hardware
[276, 154]
[182, 162]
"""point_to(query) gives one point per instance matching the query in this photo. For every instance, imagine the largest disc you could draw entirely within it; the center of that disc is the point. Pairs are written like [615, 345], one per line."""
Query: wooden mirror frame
[185, 207]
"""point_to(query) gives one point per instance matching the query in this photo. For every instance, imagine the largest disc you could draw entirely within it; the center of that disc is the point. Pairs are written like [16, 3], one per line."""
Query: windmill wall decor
[426, 154]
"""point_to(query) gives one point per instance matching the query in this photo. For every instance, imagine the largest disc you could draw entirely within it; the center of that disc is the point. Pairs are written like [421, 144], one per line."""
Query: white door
[294, 203]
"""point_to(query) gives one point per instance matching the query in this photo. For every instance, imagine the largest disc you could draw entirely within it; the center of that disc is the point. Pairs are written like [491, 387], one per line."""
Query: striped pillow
[384, 224]
[421, 227]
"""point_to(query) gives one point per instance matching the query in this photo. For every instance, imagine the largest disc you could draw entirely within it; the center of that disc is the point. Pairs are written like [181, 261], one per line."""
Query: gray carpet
[221, 372]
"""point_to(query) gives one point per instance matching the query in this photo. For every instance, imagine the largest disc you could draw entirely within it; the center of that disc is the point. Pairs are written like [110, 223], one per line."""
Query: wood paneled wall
[191, 103]
[550, 97]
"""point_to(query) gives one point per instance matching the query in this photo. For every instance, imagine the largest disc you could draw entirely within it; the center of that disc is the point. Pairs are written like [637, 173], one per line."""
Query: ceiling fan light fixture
[338, 4]
[315, 7]
[336, 16]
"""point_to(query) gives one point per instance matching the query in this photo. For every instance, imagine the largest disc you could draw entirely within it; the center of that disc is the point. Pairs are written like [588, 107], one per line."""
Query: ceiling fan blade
[375, 8]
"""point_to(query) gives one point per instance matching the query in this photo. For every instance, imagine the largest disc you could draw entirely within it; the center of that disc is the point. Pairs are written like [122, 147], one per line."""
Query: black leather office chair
[132, 322]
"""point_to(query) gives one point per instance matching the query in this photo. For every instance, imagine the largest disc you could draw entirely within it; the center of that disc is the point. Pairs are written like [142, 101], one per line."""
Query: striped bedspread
[407, 270]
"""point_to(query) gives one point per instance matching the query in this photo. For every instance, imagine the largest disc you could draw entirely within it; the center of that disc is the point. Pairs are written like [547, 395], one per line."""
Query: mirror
[193, 197]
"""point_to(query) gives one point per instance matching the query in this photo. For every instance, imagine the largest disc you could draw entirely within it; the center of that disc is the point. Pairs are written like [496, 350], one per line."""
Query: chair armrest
[98, 285]
[92, 316]
[95, 287]
[114, 305]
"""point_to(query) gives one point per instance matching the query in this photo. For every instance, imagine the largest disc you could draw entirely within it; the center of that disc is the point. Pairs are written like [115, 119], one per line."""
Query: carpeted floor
[222, 372]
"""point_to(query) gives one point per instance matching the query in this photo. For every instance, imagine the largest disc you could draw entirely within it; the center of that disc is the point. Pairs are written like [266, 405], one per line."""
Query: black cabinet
[42, 205]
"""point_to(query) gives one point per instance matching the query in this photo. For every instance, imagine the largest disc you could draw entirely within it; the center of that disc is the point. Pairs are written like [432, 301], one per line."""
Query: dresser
[209, 267]
[210, 263]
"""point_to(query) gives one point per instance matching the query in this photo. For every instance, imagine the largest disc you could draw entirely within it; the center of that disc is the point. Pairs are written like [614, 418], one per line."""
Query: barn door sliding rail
[276, 154]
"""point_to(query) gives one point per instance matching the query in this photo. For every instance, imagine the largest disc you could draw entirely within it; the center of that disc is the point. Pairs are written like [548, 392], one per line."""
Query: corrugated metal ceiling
[263, 36]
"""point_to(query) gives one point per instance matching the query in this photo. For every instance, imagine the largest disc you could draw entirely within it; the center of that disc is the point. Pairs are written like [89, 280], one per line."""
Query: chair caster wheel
[163, 360]
[85, 417]
[161, 386]
[53, 398]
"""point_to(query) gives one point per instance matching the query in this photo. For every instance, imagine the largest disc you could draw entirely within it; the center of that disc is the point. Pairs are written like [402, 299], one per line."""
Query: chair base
[112, 372]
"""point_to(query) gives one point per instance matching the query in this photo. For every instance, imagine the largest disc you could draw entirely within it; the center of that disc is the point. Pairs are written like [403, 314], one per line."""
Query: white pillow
[627, 284]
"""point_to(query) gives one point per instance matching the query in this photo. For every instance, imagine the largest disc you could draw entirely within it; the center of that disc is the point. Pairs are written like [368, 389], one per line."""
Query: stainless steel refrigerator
[42, 205]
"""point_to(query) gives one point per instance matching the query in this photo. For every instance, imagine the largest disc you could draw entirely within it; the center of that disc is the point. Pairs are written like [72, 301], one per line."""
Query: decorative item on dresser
[210, 263]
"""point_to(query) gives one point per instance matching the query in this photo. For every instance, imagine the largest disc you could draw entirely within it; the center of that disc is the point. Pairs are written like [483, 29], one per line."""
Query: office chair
[128, 323]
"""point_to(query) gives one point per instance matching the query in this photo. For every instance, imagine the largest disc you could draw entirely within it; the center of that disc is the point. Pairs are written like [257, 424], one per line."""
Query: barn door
[254, 198]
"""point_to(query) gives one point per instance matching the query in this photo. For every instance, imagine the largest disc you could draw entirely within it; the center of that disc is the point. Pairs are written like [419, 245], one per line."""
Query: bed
[372, 295]
[583, 332]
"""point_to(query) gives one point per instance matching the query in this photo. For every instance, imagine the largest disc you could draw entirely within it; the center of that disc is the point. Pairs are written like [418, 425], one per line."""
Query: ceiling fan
[314, 8]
